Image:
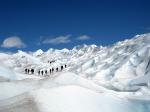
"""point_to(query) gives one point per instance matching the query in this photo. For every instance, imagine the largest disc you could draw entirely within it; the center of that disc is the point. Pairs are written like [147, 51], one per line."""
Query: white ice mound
[70, 98]
[6, 73]
[63, 79]
[77, 99]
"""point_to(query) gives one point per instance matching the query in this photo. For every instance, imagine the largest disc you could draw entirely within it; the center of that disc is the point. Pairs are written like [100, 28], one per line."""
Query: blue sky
[32, 24]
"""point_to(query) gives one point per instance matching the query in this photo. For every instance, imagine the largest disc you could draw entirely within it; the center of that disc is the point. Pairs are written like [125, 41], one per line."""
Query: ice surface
[111, 78]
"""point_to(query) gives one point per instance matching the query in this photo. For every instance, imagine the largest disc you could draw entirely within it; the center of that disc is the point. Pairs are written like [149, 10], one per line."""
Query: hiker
[42, 72]
[39, 72]
[46, 72]
[57, 69]
[32, 71]
[50, 71]
[61, 67]
[26, 70]
[65, 66]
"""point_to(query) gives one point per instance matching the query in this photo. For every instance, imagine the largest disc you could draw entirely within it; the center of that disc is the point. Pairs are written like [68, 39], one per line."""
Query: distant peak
[38, 52]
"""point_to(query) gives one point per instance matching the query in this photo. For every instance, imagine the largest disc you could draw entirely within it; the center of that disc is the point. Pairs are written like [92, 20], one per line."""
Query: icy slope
[123, 60]
[122, 67]
[64, 93]
[61, 79]
[78, 99]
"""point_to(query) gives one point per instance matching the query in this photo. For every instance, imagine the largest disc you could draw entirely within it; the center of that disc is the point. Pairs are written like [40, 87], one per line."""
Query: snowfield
[109, 79]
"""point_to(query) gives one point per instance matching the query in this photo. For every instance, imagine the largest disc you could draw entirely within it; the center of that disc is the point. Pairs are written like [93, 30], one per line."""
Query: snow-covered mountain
[121, 70]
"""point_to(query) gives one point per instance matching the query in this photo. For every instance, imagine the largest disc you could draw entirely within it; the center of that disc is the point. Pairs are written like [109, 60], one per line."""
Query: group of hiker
[50, 62]
[28, 71]
[45, 72]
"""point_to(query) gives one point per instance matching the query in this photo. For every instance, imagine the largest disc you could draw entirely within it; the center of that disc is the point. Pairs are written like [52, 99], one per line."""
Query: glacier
[97, 78]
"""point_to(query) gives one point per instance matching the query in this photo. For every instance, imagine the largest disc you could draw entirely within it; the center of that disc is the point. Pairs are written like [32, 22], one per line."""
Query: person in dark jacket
[61, 67]
[65, 66]
[42, 72]
[57, 69]
[26, 70]
[32, 71]
[52, 70]
[39, 72]
[46, 72]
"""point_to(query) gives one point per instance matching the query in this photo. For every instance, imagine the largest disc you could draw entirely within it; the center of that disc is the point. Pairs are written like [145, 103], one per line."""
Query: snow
[59, 95]
[6, 73]
[38, 52]
[111, 78]
[82, 100]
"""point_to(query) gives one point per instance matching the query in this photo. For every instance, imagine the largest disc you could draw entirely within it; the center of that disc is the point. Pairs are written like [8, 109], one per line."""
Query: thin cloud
[13, 41]
[40, 42]
[58, 40]
[83, 37]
